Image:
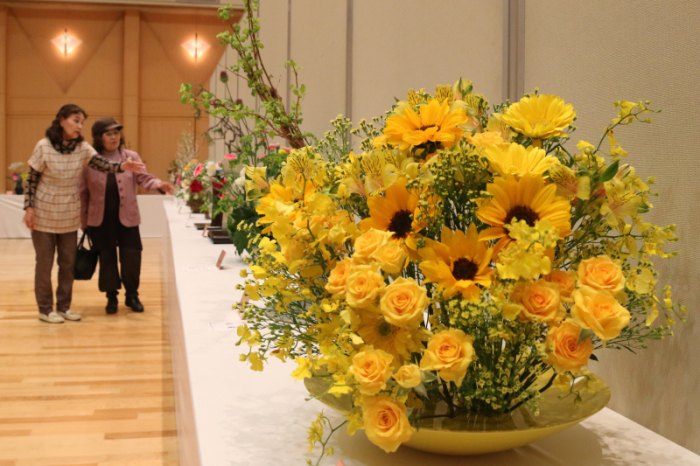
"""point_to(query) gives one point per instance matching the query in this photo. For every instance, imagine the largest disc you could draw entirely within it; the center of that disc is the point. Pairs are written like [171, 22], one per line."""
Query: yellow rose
[567, 284]
[363, 286]
[485, 139]
[565, 353]
[372, 368]
[338, 277]
[599, 311]
[391, 257]
[601, 273]
[450, 352]
[368, 243]
[403, 302]
[409, 376]
[386, 423]
[538, 299]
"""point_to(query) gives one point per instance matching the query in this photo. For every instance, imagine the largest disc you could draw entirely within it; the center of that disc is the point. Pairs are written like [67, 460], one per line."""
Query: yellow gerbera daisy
[526, 199]
[394, 212]
[457, 263]
[397, 341]
[434, 122]
[517, 160]
[540, 116]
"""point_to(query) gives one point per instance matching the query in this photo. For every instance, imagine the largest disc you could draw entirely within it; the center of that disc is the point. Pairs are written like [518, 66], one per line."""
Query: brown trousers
[45, 246]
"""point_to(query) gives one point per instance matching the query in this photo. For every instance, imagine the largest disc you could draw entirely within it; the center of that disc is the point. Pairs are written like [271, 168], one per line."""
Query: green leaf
[428, 377]
[420, 389]
[585, 334]
[609, 173]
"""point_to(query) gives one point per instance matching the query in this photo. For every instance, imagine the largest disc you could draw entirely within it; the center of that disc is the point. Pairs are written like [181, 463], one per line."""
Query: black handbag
[85, 260]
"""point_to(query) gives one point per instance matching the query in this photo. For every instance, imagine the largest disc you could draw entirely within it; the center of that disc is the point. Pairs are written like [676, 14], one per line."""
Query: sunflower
[517, 160]
[397, 341]
[434, 123]
[394, 212]
[540, 116]
[457, 263]
[526, 199]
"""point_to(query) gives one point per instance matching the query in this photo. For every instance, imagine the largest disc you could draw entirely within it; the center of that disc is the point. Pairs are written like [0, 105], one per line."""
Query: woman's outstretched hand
[136, 167]
[29, 218]
[166, 187]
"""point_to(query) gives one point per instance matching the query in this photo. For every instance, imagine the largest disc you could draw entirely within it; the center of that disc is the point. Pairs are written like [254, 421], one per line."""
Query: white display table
[230, 415]
[12, 213]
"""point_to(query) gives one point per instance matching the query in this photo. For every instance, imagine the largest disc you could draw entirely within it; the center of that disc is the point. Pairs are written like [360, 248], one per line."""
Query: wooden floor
[96, 392]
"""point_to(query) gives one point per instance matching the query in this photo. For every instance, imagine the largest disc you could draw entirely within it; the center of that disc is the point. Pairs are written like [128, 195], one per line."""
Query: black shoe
[134, 304]
[112, 305]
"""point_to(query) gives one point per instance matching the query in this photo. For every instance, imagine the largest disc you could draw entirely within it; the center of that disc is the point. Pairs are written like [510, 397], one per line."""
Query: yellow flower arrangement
[459, 257]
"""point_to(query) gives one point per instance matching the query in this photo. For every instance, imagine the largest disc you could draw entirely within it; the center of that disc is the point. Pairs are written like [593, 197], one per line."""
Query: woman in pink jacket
[110, 215]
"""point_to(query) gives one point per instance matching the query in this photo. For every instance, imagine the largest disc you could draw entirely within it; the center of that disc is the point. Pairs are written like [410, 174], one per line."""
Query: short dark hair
[99, 147]
[55, 131]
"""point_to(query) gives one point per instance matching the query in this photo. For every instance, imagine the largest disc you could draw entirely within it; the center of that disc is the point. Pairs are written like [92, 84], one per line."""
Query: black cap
[103, 125]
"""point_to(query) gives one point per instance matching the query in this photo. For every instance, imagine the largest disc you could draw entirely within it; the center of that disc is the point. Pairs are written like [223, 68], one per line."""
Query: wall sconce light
[195, 47]
[66, 43]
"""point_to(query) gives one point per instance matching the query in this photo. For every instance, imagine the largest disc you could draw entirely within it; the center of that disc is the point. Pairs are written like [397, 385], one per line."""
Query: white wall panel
[404, 44]
[591, 54]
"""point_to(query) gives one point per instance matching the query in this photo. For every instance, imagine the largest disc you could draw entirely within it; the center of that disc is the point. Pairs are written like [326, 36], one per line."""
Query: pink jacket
[93, 185]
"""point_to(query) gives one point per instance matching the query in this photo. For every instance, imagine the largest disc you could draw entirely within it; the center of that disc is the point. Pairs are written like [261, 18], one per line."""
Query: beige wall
[390, 52]
[130, 65]
[591, 54]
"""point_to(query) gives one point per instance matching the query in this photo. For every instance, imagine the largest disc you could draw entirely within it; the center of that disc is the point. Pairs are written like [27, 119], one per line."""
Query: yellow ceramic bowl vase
[478, 434]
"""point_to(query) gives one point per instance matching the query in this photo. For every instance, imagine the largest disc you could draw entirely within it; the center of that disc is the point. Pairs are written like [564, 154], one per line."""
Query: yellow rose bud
[338, 277]
[369, 242]
[404, 302]
[601, 273]
[538, 300]
[372, 368]
[386, 423]
[567, 284]
[363, 286]
[599, 311]
[450, 352]
[391, 257]
[565, 353]
[409, 376]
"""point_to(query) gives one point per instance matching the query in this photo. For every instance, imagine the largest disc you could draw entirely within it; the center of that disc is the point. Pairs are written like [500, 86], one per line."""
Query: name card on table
[206, 228]
[221, 260]
[224, 326]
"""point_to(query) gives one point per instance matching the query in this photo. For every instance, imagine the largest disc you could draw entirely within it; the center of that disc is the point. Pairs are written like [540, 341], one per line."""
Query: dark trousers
[110, 280]
[45, 246]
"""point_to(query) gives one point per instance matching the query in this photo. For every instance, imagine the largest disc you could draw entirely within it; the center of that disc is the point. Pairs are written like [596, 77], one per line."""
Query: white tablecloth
[230, 415]
[153, 221]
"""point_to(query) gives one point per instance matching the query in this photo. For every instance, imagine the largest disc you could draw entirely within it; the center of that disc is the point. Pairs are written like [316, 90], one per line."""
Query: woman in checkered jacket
[52, 206]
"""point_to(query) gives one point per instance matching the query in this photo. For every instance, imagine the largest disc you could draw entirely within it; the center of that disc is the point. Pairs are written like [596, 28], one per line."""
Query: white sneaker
[52, 318]
[69, 315]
